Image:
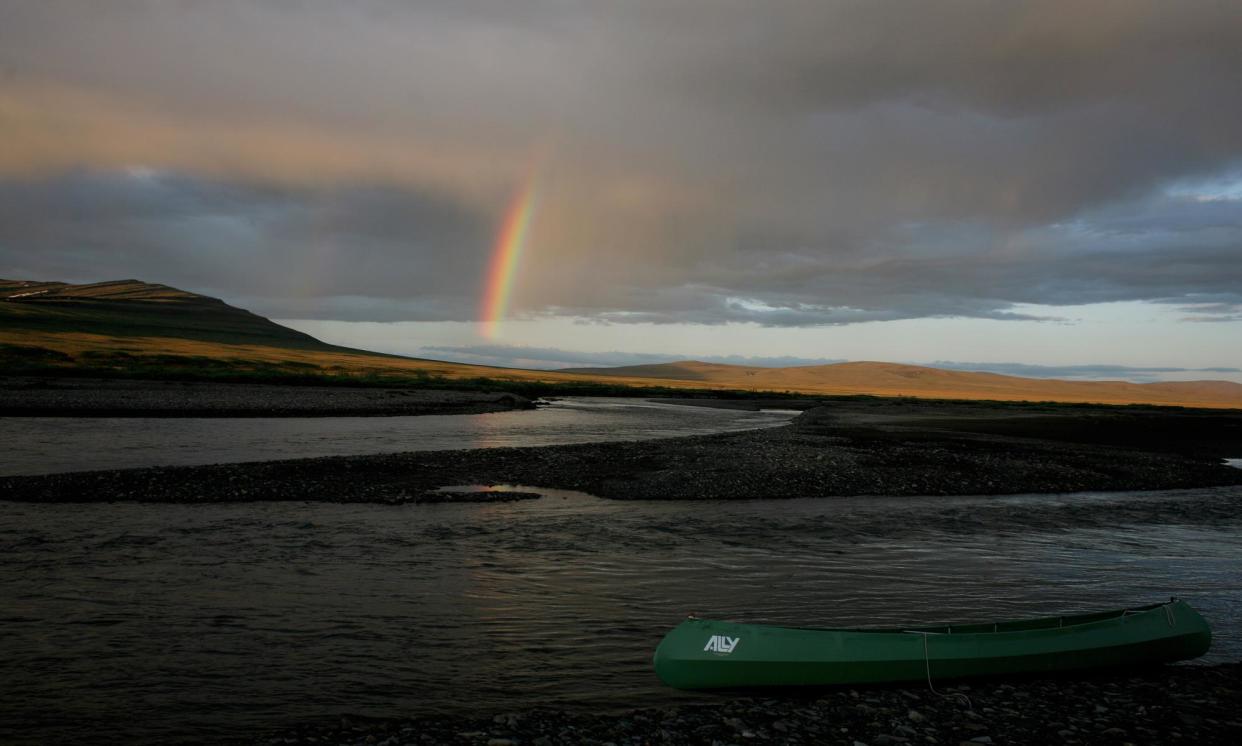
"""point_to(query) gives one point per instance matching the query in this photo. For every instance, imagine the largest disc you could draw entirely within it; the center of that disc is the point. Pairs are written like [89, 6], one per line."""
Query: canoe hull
[703, 654]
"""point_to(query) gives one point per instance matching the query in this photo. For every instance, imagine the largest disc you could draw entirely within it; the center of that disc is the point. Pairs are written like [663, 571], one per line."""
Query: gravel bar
[854, 447]
[1183, 704]
[806, 459]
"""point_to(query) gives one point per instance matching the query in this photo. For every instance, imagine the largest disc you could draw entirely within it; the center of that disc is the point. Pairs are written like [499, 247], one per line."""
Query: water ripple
[224, 620]
[45, 445]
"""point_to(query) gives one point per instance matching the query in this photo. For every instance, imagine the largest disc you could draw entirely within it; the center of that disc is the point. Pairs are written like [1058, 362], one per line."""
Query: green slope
[131, 308]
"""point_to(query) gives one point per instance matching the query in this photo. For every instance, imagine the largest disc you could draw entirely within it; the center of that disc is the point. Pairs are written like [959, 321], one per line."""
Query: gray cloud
[350, 253]
[794, 164]
[1137, 374]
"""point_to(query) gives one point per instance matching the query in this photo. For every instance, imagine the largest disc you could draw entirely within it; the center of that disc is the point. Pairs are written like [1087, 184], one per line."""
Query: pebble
[759, 464]
[1063, 706]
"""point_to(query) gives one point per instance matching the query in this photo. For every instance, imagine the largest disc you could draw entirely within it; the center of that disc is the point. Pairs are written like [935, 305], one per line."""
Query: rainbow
[505, 256]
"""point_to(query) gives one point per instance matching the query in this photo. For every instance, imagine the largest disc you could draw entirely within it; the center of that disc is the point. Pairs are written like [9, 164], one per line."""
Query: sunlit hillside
[118, 327]
[891, 379]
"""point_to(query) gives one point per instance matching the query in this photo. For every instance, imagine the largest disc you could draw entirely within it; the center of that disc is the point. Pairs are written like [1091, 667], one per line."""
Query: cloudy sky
[1049, 188]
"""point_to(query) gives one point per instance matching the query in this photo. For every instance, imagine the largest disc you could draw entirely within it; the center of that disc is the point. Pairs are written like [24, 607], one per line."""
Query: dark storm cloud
[784, 163]
[350, 253]
[1167, 249]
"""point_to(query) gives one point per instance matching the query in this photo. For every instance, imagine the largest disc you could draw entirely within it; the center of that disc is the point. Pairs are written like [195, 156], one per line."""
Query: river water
[43, 445]
[151, 623]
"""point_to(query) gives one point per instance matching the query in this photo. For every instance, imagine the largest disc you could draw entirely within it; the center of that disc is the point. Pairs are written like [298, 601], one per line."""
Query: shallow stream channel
[45, 445]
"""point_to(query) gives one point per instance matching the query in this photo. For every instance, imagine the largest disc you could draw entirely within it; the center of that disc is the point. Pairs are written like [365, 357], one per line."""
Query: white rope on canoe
[958, 696]
[965, 700]
[1168, 613]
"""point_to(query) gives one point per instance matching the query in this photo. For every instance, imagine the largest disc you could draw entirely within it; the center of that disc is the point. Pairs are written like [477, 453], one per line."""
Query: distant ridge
[133, 308]
[131, 327]
[149, 330]
[894, 379]
[34, 291]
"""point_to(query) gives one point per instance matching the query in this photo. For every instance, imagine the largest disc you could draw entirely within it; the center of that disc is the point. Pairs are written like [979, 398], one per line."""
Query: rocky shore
[86, 397]
[1184, 704]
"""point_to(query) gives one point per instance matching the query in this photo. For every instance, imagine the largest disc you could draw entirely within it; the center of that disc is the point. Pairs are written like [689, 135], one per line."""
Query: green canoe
[702, 654]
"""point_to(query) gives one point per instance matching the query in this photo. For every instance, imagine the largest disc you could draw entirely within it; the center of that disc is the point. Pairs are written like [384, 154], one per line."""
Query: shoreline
[866, 448]
[1190, 704]
[86, 397]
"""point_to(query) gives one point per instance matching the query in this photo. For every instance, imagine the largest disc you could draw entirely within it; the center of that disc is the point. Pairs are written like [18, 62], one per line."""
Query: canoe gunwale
[1036, 624]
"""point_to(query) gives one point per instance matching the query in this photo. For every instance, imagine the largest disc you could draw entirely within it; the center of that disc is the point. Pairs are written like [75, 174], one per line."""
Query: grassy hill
[892, 379]
[138, 329]
[131, 308]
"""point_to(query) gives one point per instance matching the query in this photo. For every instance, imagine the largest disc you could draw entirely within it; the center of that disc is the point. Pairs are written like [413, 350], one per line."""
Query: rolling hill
[134, 327]
[893, 379]
[133, 308]
[131, 325]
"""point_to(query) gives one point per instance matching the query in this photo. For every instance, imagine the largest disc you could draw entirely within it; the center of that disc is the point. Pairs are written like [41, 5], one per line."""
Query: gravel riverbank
[86, 397]
[1177, 704]
[817, 456]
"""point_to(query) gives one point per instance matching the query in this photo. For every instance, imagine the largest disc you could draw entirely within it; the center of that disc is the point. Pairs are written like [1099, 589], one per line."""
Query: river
[152, 623]
[45, 445]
